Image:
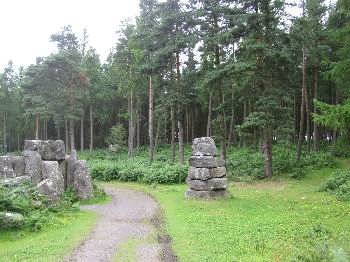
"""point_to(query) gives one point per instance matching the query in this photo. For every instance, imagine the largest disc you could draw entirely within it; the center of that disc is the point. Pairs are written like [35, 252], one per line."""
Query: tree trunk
[82, 132]
[308, 122]
[91, 130]
[138, 125]
[4, 133]
[37, 122]
[156, 142]
[187, 126]
[66, 134]
[180, 115]
[150, 120]
[72, 133]
[18, 143]
[209, 114]
[131, 125]
[173, 146]
[231, 137]
[302, 109]
[58, 133]
[181, 143]
[267, 150]
[316, 129]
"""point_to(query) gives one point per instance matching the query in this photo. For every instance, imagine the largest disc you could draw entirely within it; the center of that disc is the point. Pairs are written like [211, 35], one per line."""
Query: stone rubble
[45, 165]
[207, 173]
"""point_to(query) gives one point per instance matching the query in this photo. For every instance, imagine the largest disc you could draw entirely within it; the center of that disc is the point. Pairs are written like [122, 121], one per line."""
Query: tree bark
[302, 109]
[267, 150]
[138, 125]
[209, 114]
[37, 122]
[72, 133]
[131, 125]
[150, 121]
[82, 132]
[173, 146]
[180, 115]
[91, 130]
[316, 129]
[66, 134]
[4, 133]
[157, 135]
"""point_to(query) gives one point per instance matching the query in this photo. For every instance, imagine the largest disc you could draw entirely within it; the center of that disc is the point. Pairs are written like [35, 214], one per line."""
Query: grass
[53, 243]
[127, 252]
[278, 220]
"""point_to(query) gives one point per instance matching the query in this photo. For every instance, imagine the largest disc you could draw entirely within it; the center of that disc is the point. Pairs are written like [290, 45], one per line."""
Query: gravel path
[126, 217]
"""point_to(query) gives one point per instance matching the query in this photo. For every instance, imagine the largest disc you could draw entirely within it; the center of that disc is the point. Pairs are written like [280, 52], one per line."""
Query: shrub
[339, 185]
[250, 163]
[34, 207]
[117, 136]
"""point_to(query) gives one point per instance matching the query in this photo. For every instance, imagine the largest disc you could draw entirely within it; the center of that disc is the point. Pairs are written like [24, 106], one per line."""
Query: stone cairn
[45, 165]
[207, 173]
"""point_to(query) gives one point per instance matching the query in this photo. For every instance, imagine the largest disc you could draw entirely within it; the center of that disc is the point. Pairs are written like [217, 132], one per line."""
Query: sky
[26, 25]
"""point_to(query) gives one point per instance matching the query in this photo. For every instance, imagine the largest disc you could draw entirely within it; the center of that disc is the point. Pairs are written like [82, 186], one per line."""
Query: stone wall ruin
[45, 164]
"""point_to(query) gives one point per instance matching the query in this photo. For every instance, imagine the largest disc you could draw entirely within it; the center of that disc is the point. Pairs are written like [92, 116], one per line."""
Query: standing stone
[71, 160]
[18, 165]
[82, 180]
[207, 173]
[53, 184]
[33, 166]
[48, 149]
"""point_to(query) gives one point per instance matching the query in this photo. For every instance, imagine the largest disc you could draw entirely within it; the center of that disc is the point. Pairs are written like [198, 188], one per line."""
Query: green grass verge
[279, 220]
[53, 243]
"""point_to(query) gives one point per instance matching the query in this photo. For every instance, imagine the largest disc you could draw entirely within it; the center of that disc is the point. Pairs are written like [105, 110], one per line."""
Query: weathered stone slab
[53, 184]
[205, 194]
[204, 146]
[218, 172]
[33, 166]
[71, 160]
[11, 182]
[199, 173]
[82, 180]
[18, 165]
[11, 219]
[48, 149]
[63, 167]
[206, 162]
[209, 185]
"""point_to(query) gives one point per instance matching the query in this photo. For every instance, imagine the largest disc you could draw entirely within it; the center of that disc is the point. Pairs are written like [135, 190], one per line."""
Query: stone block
[33, 166]
[204, 146]
[209, 185]
[206, 162]
[48, 149]
[82, 180]
[205, 194]
[199, 173]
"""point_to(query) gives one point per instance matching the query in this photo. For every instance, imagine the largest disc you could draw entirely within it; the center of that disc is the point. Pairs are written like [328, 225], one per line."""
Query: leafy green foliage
[339, 184]
[27, 201]
[117, 136]
[249, 164]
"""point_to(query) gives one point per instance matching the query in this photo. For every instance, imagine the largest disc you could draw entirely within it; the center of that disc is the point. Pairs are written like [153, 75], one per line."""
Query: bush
[339, 185]
[34, 207]
[139, 171]
[249, 163]
[117, 136]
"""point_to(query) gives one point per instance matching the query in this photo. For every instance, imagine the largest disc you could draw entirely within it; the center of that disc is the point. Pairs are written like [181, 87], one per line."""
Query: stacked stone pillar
[207, 173]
